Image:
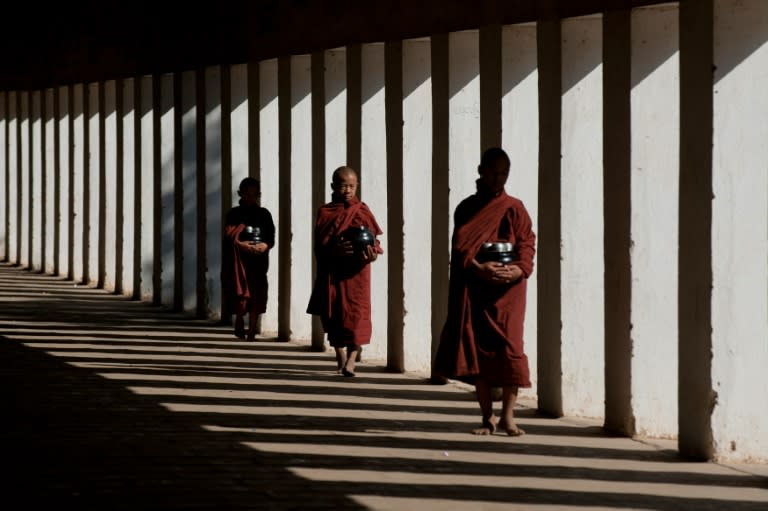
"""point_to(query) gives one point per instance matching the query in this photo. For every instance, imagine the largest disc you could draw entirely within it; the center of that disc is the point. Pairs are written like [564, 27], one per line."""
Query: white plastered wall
[13, 183]
[417, 204]
[213, 207]
[36, 198]
[78, 176]
[373, 166]
[3, 177]
[65, 171]
[302, 216]
[147, 172]
[740, 230]
[49, 189]
[582, 217]
[128, 186]
[520, 138]
[24, 170]
[270, 172]
[655, 124]
[110, 184]
[168, 184]
[92, 186]
[189, 218]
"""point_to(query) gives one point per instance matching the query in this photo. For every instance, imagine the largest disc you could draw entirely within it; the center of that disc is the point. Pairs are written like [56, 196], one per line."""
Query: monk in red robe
[249, 234]
[341, 295]
[482, 339]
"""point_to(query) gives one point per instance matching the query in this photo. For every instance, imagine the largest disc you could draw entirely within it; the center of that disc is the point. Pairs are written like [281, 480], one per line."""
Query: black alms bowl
[360, 237]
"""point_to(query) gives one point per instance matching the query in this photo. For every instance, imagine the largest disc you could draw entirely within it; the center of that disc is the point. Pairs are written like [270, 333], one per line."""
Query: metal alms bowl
[252, 234]
[500, 252]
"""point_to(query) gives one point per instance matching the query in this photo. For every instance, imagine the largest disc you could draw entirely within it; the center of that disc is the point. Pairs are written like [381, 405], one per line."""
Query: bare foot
[341, 360]
[239, 327]
[488, 427]
[511, 428]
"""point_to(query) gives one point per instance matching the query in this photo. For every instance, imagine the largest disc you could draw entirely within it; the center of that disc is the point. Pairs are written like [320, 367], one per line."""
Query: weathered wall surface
[644, 174]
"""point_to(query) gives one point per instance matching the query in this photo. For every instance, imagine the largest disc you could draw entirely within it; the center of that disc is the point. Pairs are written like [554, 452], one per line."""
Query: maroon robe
[341, 295]
[244, 275]
[483, 333]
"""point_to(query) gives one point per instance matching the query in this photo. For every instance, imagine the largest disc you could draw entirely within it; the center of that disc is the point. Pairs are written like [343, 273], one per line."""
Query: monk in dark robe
[341, 295]
[249, 234]
[482, 339]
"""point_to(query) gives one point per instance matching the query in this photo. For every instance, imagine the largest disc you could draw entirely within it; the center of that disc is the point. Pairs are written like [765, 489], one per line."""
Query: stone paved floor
[111, 404]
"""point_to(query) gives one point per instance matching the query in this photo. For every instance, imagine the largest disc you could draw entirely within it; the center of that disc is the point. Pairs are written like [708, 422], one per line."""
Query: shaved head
[343, 171]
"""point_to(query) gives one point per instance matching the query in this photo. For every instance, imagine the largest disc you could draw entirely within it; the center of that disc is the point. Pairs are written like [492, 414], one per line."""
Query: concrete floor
[114, 404]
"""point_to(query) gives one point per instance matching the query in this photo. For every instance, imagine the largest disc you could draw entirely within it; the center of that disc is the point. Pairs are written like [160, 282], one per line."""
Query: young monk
[245, 261]
[341, 295]
[482, 339]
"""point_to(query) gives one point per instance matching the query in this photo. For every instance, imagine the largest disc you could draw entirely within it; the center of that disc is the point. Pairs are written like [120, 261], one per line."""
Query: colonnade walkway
[115, 404]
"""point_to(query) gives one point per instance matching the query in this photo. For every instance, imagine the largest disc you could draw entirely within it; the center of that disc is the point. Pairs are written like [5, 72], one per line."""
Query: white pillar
[270, 177]
[302, 214]
[213, 206]
[417, 204]
[24, 190]
[238, 78]
[78, 185]
[655, 125]
[65, 182]
[13, 179]
[49, 168]
[3, 177]
[189, 151]
[147, 172]
[36, 197]
[128, 186]
[520, 138]
[739, 230]
[335, 112]
[463, 116]
[582, 218]
[111, 186]
[167, 191]
[373, 166]
[93, 185]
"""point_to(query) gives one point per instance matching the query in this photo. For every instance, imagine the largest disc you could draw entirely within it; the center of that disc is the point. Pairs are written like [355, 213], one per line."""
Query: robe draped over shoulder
[244, 275]
[341, 295]
[483, 333]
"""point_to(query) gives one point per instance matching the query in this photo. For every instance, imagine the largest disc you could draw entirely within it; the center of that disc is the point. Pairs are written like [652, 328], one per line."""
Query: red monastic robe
[483, 333]
[244, 275]
[341, 295]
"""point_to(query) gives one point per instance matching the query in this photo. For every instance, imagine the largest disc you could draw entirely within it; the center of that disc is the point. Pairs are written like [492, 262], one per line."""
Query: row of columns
[650, 296]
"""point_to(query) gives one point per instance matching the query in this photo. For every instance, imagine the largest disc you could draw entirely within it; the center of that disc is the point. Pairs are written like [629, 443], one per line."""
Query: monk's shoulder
[515, 203]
